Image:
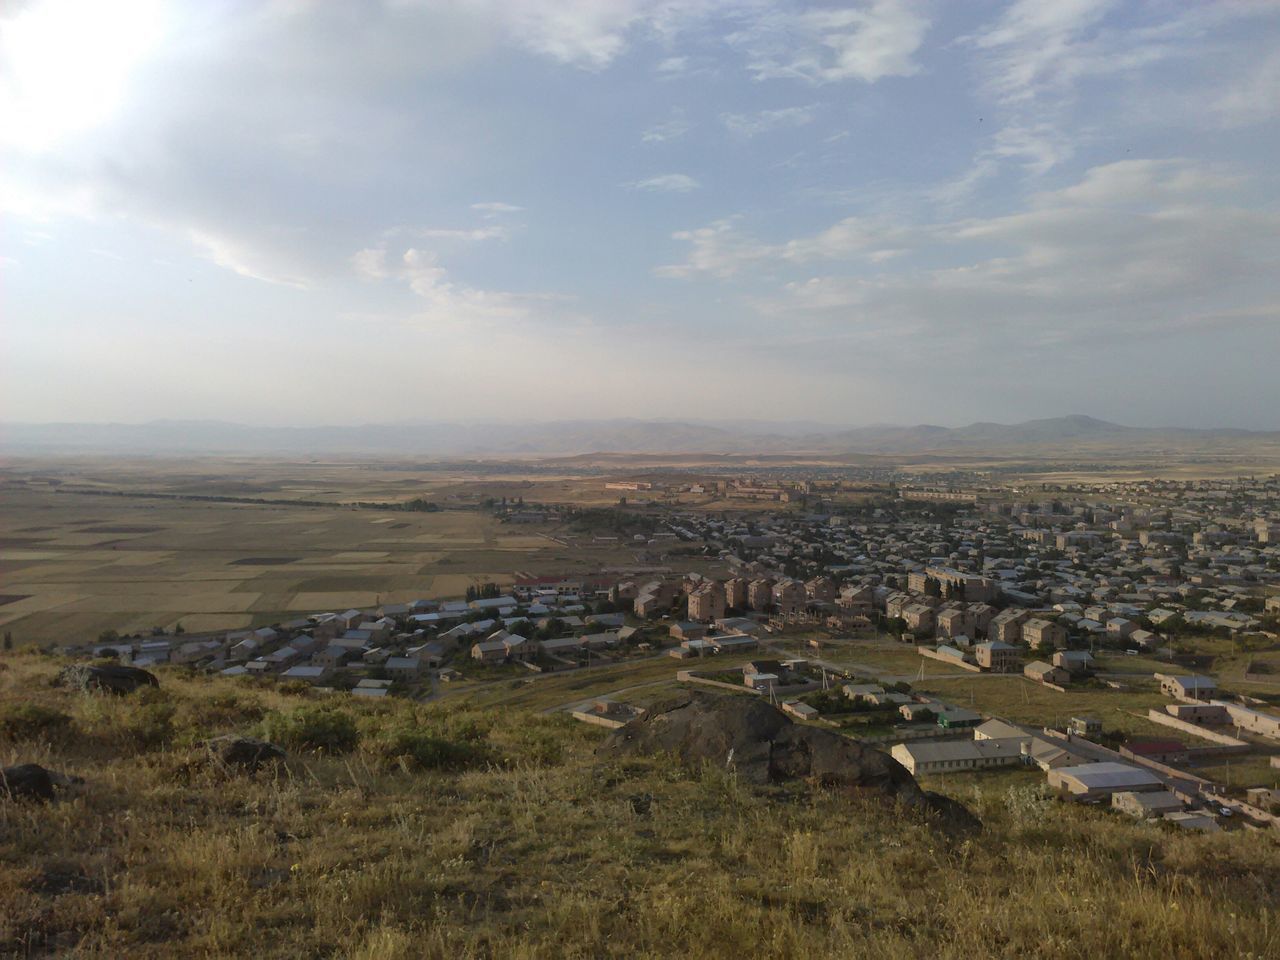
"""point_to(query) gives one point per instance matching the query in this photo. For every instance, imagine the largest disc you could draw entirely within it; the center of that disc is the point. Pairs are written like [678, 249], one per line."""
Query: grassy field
[1022, 701]
[463, 832]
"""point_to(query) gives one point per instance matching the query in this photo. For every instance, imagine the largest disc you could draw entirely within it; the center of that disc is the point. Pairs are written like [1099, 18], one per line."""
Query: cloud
[1253, 97]
[495, 208]
[443, 300]
[667, 183]
[1142, 245]
[754, 124]
[1036, 148]
[463, 235]
[672, 129]
[867, 41]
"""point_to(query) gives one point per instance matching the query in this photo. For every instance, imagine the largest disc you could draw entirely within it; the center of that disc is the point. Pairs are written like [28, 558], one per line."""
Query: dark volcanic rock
[106, 678]
[244, 753]
[764, 746]
[30, 781]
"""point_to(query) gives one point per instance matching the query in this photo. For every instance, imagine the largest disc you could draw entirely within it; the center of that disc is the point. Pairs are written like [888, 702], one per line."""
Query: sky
[300, 212]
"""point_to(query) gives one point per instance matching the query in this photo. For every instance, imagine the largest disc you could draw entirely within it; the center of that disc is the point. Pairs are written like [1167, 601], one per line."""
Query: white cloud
[587, 33]
[1039, 47]
[1035, 148]
[754, 124]
[1140, 244]
[672, 129]
[867, 41]
[1253, 97]
[464, 235]
[494, 208]
[667, 183]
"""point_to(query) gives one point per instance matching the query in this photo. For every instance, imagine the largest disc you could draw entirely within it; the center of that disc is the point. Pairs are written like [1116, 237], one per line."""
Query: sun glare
[65, 65]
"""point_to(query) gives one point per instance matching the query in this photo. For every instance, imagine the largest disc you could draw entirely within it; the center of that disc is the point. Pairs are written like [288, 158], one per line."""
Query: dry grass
[536, 851]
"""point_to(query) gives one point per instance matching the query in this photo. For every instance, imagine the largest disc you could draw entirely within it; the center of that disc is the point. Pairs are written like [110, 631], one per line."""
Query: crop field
[73, 564]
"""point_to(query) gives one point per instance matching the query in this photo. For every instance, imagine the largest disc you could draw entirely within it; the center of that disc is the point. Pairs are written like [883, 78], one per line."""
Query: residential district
[1158, 602]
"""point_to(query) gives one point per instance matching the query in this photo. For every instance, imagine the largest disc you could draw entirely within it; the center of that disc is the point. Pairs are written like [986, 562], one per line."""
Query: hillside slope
[454, 831]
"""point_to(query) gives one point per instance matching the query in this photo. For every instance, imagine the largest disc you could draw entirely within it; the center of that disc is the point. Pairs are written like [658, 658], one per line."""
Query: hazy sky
[294, 212]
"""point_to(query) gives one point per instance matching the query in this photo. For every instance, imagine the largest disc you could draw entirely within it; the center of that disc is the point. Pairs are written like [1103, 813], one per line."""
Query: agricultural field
[74, 565]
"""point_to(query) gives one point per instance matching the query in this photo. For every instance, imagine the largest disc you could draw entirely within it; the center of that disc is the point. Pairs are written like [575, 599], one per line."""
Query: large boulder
[762, 745]
[30, 781]
[243, 753]
[105, 678]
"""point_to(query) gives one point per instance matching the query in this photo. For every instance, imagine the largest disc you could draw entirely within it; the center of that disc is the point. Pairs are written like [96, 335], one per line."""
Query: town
[1122, 640]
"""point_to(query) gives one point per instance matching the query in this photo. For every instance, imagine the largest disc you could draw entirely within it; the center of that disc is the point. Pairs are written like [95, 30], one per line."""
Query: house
[707, 602]
[862, 691]
[1087, 727]
[1096, 781]
[688, 630]
[920, 618]
[407, 667]
[1051, 754]
[1044, 634]
[1144, 639]
[820, 589]
[924, 757]
[1159, 749]
[501, 646]
[336, 655]
[1193, 820]
[789, 597]
[1147, 805]
[1118, 628]
[955, 718]
[952, 622]
[1006, 626]
[1189, 687]
[1042, 672]
[918, 711]
[1075, 662]
[735, 593]
[799, 710]
[1000, 730]
[997, 657]
[311, 674]
[760, 593]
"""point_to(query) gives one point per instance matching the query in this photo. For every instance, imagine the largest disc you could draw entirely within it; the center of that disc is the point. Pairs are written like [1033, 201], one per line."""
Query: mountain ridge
[584, 436]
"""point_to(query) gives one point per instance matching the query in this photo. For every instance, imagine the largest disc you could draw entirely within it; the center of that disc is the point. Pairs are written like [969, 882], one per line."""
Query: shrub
[27, 721]
[198, 719]
[323, 729]
[426, 751]
[148, 724]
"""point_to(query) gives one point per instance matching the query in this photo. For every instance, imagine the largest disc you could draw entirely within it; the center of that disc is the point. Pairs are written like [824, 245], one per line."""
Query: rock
[106, 678]
[764, 746]
[244, 753]
[30, 781]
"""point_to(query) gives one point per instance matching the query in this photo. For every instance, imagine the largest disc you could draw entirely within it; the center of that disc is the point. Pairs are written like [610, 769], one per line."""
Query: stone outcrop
[30, 781]
[763, 746]
[105, 678]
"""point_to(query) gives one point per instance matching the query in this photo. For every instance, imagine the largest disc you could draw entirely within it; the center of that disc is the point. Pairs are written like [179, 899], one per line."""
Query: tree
[8, 640]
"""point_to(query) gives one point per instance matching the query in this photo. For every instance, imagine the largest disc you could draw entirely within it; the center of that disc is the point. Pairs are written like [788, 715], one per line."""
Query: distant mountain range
[1061, 435]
